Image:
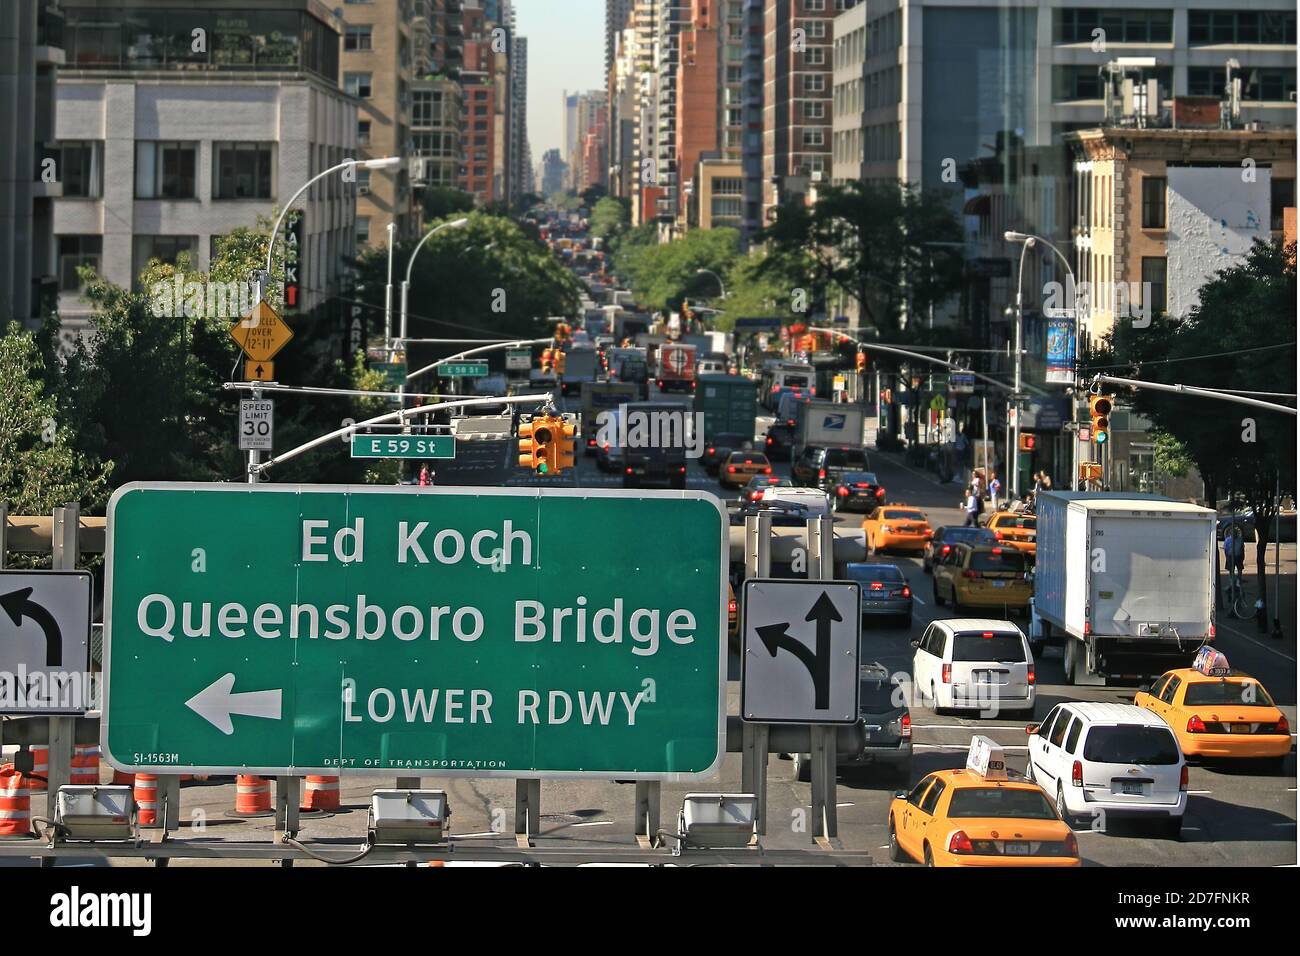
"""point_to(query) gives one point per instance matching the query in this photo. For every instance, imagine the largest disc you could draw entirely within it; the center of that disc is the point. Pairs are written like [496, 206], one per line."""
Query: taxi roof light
[1211, 663]
[985, 758]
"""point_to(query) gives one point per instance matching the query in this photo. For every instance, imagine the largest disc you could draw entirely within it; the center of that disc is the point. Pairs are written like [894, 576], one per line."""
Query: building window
[74, 252]
[80, 168]
[363, 182]
[363, 132]
[242, 170]
[814, 110]
[814, 6]
[165, 170]
[1154, 271]
[357, 84]
[357, 38]
[1153, 202]
[813, 137]
[816, 29]
[815, 56]
[1283, 193]
[1271, 27]
[814, 83]
[363, 230]
[165, 249]
[1076, 83]
[1267, 85]
[1118, 26]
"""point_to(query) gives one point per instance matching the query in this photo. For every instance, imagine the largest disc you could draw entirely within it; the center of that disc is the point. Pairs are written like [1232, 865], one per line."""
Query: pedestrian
[977, 484]
[973, 506]
[995, 489]
[1234, 548]
[425, 476]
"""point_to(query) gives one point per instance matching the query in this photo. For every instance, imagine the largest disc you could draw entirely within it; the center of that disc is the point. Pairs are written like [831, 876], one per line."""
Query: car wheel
[1061, 808]
[896, 854]
[929, 857]
[802, 768]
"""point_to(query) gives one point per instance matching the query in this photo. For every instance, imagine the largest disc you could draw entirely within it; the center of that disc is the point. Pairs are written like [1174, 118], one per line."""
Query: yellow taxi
[741, 466]
[982, 576]
[1017, 530]
[896, 527]
[1218, 713]
[978, 816]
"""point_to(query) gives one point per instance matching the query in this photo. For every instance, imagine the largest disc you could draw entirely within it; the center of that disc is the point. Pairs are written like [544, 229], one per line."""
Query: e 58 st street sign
[400, 631]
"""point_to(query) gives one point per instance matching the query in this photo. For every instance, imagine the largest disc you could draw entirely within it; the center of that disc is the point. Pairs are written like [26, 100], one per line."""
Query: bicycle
[1236, 601]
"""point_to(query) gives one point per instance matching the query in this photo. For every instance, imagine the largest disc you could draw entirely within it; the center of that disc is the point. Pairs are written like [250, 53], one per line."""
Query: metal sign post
[754, 736]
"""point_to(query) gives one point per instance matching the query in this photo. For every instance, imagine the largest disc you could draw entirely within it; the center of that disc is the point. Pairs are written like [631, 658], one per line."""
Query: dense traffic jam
[1087, 762]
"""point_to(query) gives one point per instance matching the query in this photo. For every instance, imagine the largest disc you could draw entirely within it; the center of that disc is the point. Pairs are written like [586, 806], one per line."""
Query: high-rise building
[478, 113]
[378, 64]
[751, 115]
[554, 173]
[584, 113]
[436, 99]
[179, 146]
[617, 14]
[31, 49]
[520, 155]
[671, 15]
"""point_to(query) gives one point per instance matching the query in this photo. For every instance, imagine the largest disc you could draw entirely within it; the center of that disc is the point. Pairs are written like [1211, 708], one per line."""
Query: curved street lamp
[410, 264]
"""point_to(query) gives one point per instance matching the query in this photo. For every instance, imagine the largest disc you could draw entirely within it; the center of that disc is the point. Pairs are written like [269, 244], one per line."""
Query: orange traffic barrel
[15, 802]
[85, 764]
[320, 793]
[252, 795]
[146, 799]
[123, 779]
[40, 770]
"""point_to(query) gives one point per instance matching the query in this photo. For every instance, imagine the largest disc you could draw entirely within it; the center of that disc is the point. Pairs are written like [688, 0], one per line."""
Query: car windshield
[1240, 692]
[1027, 522]
[973, 535]
[1131, 744]
[878, 696]
[859, 478]
[894, 515]
[845, 458]
[989, 646]
[1002, 560]
[795, 381]
[1008, 803]
[875, 572]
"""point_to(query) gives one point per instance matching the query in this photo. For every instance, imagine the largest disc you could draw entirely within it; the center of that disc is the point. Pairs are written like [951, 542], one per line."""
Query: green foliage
[40, 467]
[1171, 455]
[663, 275]
[609, 217]
[441, 202]
[876, 243]
[761, 285]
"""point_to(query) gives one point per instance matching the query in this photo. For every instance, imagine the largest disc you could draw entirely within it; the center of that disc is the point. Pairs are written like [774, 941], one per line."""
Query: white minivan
[1100, 761]
[977, 664]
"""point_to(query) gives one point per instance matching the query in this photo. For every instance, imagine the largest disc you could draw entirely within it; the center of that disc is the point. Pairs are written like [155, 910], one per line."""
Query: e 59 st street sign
[401, 631]
[403, 446]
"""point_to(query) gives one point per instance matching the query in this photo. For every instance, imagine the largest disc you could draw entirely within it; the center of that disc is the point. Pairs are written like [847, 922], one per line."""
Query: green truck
[728, 404]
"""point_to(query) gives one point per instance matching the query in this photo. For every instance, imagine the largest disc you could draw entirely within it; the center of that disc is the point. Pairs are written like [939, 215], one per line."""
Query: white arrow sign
[217, 702]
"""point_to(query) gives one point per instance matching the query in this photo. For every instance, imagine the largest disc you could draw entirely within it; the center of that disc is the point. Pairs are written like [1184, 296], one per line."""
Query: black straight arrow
[777, 636]
[18, 605]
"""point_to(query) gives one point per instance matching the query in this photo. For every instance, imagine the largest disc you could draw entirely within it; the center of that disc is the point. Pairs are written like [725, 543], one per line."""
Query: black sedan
[753, 491]
[857, 491]
[948, 535]
[885, 592]
[779, 443]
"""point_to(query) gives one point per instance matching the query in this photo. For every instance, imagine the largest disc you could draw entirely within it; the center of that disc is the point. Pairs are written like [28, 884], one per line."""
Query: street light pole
[1014, 450]
[387, 162]
[410, 264]
[710, 272]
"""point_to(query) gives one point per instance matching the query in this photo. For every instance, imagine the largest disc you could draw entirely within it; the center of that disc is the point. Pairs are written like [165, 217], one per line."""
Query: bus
[778, 376]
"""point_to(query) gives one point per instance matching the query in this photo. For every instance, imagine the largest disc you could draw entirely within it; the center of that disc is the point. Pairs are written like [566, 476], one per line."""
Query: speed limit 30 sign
[256, 424]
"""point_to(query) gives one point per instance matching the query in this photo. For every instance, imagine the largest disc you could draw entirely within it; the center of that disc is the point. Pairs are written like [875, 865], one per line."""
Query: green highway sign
[292, 629]
[403, 446]
[463, 370]
[394, 375]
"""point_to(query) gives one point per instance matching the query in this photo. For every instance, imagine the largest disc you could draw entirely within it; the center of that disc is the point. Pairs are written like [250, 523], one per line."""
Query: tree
[664, 275]
[609, 217]
[592, 194]
[40, 465]
[762, 284]
[880, 243]
[1242, 331]
[442, 202]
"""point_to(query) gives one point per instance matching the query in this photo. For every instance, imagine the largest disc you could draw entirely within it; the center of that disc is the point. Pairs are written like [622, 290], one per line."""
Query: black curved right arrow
[818, 663]
[19, 604]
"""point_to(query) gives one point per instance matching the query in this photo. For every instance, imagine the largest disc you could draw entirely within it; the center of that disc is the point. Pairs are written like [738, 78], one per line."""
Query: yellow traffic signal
[547, 355]
[561, 450]
[535, 438]
[558, 359]
[1099, 407]
[862, 362]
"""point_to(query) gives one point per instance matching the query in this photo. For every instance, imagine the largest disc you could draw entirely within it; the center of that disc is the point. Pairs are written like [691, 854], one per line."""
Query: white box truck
[1124, 582]
[828, 425]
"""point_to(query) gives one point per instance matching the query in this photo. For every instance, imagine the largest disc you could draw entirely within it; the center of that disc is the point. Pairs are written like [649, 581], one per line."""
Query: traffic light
[862, 362]
[558, 359]
[535, 440]
[1099, 407]
[560, 452]
[1028, 442]
[547, 358]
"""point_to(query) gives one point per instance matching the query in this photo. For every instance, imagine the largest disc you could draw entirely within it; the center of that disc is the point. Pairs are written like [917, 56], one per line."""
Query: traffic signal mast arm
[468, 352]
[895, 350]
[1191, 390]
[399, 415]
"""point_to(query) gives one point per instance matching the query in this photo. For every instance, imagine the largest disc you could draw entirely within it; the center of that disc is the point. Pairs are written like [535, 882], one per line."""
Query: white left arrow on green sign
[217, 702]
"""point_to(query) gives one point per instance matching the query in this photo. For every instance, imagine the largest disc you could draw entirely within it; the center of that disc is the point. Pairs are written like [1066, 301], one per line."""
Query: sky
[566, 51]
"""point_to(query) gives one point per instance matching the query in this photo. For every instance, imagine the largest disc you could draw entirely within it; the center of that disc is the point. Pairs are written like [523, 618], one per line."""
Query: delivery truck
[657, 435]
[580, 366]
[1124, 582]
[676, 367]
[827, 425]
[728, 404]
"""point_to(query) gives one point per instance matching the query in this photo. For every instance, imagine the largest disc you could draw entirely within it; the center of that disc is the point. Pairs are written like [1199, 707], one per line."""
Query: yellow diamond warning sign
[261, 333]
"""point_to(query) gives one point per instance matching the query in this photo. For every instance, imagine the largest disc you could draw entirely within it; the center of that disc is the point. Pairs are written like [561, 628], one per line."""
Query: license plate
[1015, 848]
[999, 584]
[1240, 728]
[1129, 787]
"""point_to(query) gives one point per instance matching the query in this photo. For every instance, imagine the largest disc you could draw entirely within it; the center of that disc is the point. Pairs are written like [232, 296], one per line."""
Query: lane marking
[918, 600]
[961, 747]
[595, 823]
[1020, 728]
[1264, 647]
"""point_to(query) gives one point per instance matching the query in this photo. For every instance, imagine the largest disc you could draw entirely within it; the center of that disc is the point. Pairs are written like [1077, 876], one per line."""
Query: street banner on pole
[1060, 351]
[474, 632]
